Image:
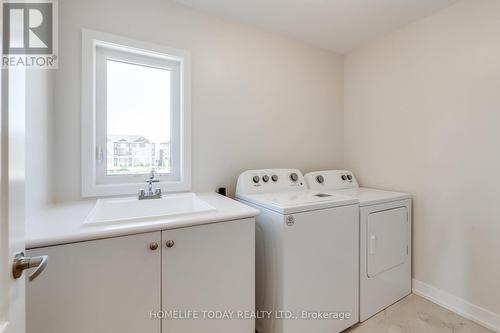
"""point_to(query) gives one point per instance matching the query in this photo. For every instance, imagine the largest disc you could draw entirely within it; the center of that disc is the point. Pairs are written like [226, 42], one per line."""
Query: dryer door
[387, 240]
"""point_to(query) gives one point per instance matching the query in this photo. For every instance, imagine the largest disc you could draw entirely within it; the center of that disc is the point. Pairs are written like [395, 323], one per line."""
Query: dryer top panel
[369, 196]
[343, 182]
[331, 179]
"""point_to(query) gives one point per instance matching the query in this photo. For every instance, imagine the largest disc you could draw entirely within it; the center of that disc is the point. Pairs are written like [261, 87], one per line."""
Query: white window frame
[105, 53]
[97, 47]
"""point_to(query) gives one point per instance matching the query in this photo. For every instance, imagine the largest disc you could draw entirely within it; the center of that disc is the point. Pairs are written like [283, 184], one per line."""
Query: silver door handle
[21, 263]
[373, 245]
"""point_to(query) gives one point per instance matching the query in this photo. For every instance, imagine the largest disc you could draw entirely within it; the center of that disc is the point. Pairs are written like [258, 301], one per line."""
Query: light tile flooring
[415, 314]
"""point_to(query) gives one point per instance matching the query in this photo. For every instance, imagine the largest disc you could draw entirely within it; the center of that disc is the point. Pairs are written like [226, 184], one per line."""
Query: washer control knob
[349, 177]
[274, 178]
[256, 179]
[344, 177]
[265, 178]
[294, 177]
[320, 179]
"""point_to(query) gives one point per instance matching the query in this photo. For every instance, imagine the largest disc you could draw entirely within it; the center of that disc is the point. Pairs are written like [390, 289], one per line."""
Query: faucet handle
[152, 179]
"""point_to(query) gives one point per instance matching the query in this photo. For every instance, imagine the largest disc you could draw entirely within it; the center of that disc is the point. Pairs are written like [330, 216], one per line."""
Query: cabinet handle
[153, 246]
[170, 243]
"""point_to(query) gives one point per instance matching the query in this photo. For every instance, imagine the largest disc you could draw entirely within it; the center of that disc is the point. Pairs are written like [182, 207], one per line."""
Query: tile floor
[415, 314]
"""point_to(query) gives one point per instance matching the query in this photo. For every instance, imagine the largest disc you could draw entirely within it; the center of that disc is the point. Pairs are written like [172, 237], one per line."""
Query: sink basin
[132, 209]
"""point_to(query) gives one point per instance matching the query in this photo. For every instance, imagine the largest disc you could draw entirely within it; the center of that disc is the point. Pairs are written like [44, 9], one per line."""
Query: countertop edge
[40, 236]
[78, 238]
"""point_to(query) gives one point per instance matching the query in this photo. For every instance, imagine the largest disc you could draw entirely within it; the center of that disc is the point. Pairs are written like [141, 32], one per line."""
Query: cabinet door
[103, 286]
[209, 268]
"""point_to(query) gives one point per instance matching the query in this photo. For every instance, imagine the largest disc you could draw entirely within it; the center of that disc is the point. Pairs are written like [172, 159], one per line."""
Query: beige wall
[422, 114]
[259, 100]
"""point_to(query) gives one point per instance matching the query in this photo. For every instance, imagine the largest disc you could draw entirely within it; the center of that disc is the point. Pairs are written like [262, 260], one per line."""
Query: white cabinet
[101, 286]
[113, 285]
[209, 268]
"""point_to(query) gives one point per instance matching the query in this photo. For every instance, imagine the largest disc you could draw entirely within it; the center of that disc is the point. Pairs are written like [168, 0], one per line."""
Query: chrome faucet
[143, 195]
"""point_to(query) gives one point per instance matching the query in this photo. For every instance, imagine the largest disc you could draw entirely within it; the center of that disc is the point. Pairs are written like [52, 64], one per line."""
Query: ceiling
[337, 25]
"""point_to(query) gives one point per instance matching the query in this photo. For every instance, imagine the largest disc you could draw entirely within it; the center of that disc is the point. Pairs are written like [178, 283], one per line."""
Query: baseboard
[460, 306]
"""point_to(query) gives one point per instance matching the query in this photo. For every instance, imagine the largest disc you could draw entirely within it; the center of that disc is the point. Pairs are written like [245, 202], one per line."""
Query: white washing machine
[307, 257]
[385, 239]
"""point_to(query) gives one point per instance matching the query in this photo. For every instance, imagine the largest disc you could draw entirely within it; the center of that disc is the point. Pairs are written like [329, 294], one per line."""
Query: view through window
[138, 131]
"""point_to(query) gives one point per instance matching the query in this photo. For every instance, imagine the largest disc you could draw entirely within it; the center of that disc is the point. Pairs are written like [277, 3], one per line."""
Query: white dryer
[307, 256]
[385, 239]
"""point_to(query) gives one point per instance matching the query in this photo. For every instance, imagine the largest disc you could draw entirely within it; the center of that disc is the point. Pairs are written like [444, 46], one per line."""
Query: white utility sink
[132, 209]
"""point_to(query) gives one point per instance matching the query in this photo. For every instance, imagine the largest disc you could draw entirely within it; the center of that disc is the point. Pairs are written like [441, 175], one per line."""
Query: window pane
[138, 119]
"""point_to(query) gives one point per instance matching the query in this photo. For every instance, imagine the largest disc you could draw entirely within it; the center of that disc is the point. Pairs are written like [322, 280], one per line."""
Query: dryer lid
[369, 196]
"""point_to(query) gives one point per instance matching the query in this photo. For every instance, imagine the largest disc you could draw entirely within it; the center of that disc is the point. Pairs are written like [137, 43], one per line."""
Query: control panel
[331, 179]
[270, 180]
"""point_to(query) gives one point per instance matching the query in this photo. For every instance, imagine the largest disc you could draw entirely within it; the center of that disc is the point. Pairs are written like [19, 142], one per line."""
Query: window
[135, 115]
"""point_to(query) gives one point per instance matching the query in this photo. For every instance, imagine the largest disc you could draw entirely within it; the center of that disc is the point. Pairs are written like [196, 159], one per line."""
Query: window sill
[95, 190]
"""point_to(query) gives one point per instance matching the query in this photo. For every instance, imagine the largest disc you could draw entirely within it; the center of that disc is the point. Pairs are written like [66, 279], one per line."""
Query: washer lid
[298, 201]
[369, 196]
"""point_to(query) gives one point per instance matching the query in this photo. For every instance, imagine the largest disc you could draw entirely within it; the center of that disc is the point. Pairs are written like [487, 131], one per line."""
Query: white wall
[422, 115]
[259, 100]
[39, 139]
